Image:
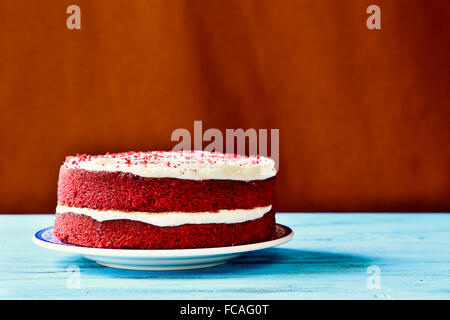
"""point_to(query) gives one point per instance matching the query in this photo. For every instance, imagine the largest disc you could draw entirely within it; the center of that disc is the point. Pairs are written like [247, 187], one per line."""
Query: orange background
[364, 115]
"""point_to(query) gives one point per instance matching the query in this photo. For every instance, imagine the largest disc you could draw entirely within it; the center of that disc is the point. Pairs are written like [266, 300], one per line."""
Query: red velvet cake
[165, 200]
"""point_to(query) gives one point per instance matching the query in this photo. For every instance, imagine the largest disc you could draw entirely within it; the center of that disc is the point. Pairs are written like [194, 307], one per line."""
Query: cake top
[191, 165]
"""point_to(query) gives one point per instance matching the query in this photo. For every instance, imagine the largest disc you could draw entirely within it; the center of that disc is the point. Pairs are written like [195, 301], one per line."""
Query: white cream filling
[171, 219]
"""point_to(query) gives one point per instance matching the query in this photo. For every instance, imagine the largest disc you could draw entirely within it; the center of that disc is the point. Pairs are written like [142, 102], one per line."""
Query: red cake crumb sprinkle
[154, 157]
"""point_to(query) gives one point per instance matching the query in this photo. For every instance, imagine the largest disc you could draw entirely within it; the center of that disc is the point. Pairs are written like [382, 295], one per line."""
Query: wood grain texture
[327, 259]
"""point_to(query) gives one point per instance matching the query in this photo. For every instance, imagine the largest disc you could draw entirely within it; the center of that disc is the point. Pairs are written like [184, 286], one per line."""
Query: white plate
[168, 259]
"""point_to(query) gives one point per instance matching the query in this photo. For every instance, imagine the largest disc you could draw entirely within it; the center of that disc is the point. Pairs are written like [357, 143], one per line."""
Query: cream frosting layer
[171, 219]
[192, 165]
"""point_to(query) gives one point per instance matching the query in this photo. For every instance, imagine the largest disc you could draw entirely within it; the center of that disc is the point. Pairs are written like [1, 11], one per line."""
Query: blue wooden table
[332, 256]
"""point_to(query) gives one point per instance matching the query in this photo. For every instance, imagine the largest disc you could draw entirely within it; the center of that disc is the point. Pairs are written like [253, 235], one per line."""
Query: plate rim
[166, 253]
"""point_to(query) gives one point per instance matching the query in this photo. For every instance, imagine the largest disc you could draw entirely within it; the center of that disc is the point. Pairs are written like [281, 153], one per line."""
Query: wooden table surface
[332, 256]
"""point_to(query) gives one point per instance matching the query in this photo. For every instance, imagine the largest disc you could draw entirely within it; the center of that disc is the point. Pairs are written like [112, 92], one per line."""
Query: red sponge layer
[85, 231]
[128, 192]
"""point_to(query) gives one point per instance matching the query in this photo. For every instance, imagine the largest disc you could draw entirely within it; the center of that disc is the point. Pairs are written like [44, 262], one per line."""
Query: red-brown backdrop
[364, 115]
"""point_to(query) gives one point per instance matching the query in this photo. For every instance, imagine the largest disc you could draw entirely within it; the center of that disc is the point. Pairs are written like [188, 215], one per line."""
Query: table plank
[327, 259]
